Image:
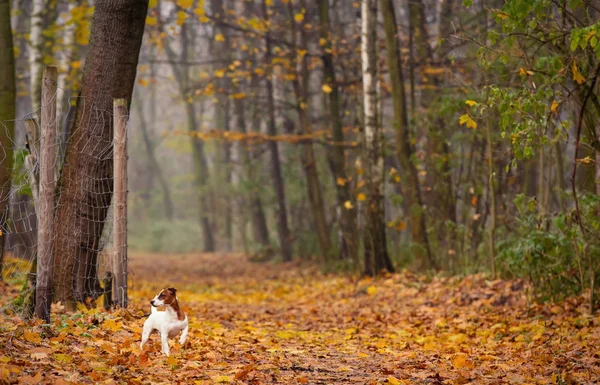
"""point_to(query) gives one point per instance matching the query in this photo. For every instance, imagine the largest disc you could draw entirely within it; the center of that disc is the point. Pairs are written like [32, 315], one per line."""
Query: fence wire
[91, 217]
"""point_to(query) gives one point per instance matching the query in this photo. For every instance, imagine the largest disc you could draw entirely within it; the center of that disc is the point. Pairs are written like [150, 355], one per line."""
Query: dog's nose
[152, 302]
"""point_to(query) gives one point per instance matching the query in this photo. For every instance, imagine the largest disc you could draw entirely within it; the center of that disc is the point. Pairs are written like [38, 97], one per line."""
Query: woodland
[343, 192]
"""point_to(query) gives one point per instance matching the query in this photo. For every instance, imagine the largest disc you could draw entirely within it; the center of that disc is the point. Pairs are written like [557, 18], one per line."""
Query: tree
[85, 185]
[348, 247]
[404, 148]
[285, 240]
[8, 94]
[36, 53]
[300, 83]
[375, 245]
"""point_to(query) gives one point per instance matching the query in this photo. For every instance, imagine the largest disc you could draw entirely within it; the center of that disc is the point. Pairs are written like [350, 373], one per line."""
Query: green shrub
[551, 250]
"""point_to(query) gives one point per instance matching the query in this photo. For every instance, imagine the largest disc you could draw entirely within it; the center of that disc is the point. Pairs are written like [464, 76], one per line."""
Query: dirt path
[281, 324]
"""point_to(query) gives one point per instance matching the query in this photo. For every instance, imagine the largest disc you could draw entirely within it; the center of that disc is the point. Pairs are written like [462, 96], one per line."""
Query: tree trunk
[300, 84]
[348, 248]
[63, 93]
[154, 164]
[86, 185]
[202, 176]
[8, 96]
[375, 246]
[282, 217]
[259, 222]
[404, 148]
[182, 75]
[35, 55]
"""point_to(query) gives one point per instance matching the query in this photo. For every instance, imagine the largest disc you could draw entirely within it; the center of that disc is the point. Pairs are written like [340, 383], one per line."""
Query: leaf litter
[290, 324]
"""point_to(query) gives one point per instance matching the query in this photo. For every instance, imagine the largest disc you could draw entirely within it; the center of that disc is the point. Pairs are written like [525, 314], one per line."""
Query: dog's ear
[172, 290]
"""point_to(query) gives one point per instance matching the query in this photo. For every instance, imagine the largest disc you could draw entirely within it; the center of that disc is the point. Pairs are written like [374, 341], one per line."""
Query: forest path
[284, 324]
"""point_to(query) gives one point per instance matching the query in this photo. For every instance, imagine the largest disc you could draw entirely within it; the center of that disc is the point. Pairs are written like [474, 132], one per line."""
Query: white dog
[168, 323]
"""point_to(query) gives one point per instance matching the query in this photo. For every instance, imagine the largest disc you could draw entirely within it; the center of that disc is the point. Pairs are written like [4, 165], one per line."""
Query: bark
[375, 245]
[282, 217]
[8, 94]
[300, 85]
[348, 248]
[403, 146]
[85, 186]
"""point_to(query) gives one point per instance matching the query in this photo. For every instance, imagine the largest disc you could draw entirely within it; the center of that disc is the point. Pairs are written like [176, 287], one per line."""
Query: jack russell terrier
[168, 323]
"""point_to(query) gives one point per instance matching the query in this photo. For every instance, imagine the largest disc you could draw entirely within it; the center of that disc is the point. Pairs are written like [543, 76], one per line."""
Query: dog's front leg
[183, 336]
[145, 334]
[164, 339]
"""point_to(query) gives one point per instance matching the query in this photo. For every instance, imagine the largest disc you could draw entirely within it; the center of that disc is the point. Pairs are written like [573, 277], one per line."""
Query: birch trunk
[35, 55]
[375, 247]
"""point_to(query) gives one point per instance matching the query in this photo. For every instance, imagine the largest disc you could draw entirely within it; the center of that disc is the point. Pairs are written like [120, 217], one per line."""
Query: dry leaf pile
[284, 324]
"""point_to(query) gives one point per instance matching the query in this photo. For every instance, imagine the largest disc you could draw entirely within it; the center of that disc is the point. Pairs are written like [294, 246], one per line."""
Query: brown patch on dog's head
[166, 296]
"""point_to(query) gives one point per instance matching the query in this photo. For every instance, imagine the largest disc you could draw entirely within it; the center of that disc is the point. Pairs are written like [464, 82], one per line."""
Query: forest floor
[288, 324]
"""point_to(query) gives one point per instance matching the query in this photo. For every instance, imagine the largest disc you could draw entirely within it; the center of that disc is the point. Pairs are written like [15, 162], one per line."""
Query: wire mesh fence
[57, 211]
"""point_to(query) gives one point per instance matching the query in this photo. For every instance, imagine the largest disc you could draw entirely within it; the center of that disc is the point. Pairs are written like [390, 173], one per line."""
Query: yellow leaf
[221, 379]
[401, 226]
[199, 11]
[151, 20]
[143, 82]
[471, 103]
[220, 73]
[341, 181]
[327, 88]
[185, 3]
[466, 119]
[152, 3]
[219, 37]
[457, 338]
[371, 290]
[577, 76]
[348, 205]
[259, 71]
[32, 337]
[181, 16]
[586, 160]
[361, 197]
[460, 361]
[523, 72]
[303, 105]
[502, 15]
[172, 361]
[554, 106]
[393, 380]
[322, 41]
[397, 178]
[299, 17]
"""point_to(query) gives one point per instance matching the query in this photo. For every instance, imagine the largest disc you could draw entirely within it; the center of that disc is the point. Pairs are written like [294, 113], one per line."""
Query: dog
[168, 323]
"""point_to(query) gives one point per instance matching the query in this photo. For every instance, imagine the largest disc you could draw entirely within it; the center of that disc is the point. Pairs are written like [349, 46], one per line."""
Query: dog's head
[165, 297]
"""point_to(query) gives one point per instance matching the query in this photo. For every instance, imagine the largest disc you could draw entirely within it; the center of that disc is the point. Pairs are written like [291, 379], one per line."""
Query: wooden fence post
[120, 201]
[46, 192]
